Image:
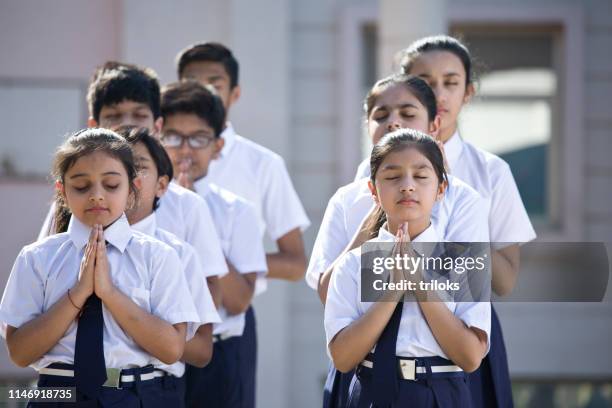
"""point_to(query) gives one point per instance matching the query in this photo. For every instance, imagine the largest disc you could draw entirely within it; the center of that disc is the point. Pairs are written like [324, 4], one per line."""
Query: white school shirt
[194, 276]
[139, 267]
[457, 218]
[240, 235]
[183, 213]
[414, 339]
[260, 176]
[491, 177]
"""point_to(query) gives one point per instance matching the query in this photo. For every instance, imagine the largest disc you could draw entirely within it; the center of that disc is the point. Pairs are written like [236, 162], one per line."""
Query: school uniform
[458, 218]
[139, 267]
[194, 276]
[508, 223]
[436, 381]
[220, 383]
[260, 176]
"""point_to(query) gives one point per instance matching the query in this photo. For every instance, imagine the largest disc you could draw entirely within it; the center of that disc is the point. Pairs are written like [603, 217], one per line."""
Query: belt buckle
[113, 378]
[408, 369]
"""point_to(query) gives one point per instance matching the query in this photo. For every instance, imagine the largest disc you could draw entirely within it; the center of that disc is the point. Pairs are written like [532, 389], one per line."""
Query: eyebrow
[447, 74]
[108, 173]
[402, 106]
[397, 166]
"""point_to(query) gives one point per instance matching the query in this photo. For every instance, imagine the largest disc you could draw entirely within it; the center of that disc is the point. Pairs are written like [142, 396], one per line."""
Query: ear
[470, 90]
[218, 146]
[91, 122]
[441, 189]
[162, 186]
[138, 183]
[373, 191]
[234, 96]
[434, 127]
[59, 187]
[158, 125]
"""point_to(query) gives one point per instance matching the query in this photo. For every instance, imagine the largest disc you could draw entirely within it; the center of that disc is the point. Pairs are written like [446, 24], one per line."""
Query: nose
[97, 195]
[394, 122]
[408, 185]
[184, 148]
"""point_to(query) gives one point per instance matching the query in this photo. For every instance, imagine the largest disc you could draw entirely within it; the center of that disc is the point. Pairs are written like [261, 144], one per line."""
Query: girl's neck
[415, 228]
[446, 134]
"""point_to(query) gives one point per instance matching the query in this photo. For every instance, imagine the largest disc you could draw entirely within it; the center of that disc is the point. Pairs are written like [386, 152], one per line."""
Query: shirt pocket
[140, 296]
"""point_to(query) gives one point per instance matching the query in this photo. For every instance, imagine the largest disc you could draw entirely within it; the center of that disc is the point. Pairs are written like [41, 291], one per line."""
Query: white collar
[427, 238]
[229, 135]
[118, 234]
[147, 225]
[453, 148]
[201, 186]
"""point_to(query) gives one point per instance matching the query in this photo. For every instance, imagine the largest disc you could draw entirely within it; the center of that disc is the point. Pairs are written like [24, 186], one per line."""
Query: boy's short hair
[162, 161]
[209, 52]
[115, 82]
[190, 96]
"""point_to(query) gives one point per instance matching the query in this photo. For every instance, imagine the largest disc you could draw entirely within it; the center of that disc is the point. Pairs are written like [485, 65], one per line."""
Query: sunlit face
[185, 158]
[397, 108]
[126, 113]
[406, 187]
[149, 184]
[446, 76]
[96, 189]
[214, 74]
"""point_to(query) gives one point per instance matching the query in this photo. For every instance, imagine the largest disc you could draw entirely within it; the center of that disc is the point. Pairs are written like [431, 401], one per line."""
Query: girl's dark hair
[83, 143]
[395, 142]
[162, 161]
[438, 43]
[415, 86]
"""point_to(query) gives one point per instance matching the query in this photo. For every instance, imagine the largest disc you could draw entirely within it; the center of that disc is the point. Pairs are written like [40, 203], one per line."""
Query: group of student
[138, 291]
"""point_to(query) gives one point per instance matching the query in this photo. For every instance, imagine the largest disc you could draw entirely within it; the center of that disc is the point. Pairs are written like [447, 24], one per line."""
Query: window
[516, 109]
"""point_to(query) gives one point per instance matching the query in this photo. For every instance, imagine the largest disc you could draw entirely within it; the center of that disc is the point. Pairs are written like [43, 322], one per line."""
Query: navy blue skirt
[490, 385]
[432, 392]
[336, 390]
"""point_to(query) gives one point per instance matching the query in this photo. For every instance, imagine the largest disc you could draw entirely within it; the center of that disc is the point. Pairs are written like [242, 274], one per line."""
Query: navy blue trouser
[156, 393]
[218, 384]
[490, 385]
[248, 359]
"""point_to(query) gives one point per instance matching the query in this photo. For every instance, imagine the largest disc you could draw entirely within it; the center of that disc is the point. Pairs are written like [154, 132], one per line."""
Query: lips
[96, 210]
[408, 201]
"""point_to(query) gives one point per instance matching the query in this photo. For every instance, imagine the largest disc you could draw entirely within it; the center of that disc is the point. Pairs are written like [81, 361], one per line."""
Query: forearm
[198, 350]
[505, 267]
[33, 339]
[289, 263]
[237, 290]
[159, 338]
[286, 266]
[214, 287]
[460, 343]
[350, 346]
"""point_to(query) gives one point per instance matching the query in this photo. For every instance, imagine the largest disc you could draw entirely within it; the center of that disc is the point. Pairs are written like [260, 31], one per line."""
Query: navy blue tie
[385, 372]
[89, 365]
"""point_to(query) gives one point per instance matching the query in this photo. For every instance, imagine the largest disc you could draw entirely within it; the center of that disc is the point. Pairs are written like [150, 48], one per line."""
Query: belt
[418, 368]
[114, 378]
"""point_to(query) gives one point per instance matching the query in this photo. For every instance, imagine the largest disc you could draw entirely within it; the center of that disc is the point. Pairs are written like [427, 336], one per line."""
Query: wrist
[78, 295]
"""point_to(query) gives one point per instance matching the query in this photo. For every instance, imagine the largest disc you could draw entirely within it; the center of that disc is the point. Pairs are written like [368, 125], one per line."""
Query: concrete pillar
[401, 22]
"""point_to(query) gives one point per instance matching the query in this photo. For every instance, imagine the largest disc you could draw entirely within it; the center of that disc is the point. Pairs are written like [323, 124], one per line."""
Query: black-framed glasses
[195, 141]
